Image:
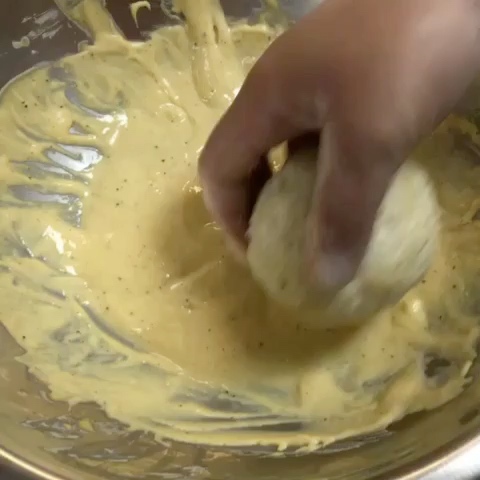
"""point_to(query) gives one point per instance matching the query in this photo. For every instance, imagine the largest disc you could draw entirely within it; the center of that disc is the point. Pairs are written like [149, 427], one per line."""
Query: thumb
[354, 172]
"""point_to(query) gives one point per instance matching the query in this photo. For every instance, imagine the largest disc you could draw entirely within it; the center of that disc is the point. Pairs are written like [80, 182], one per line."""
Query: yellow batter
[122, 292]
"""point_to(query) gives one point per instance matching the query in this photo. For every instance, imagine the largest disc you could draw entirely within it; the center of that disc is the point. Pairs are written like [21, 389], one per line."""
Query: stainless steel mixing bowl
[50, 440]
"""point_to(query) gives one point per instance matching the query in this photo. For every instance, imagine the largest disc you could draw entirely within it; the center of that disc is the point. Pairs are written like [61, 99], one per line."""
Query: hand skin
[370, 79]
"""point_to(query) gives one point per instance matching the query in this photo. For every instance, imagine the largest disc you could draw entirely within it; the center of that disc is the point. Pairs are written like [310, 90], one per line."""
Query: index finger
[232, 166]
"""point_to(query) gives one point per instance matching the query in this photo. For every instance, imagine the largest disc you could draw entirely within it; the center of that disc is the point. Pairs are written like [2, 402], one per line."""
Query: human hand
[373, 77]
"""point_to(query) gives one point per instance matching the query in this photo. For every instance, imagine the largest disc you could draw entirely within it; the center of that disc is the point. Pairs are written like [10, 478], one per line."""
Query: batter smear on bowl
[120, 290]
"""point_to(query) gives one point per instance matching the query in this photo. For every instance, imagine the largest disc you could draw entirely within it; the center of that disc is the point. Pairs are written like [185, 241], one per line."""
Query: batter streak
[121, 291]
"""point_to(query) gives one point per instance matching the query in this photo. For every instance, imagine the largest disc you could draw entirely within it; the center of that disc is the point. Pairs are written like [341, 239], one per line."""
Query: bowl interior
[53, 440]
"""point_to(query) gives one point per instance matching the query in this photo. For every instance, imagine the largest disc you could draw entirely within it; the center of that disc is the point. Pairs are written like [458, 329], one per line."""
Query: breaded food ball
[401, 250]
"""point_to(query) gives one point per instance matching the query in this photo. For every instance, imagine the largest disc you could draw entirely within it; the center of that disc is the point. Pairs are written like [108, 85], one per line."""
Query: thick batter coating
[403, 244]
[127, 296]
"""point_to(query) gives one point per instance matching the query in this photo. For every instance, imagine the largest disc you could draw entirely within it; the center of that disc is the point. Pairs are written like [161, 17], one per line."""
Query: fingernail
[334, 270]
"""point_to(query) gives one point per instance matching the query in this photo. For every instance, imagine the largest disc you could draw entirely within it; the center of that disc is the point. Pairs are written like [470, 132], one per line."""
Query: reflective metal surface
[50, 440]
